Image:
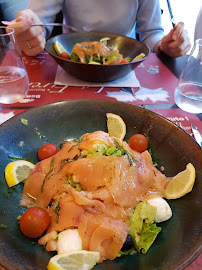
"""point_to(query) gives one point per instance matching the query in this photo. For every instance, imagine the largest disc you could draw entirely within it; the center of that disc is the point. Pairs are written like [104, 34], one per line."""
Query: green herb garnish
[9, 193]
[146, 110]
[18, 219]
[3, 226]
[24, 121]
[125, 152]
[17, 158]
[56, 209]
[49, 172]
[78, 141]
[74, 57]
[65, 161]
[127, 252]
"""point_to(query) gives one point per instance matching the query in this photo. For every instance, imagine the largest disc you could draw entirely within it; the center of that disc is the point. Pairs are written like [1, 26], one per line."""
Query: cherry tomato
[65, 55]
[34, 222]
[138, 142]
[47, 150]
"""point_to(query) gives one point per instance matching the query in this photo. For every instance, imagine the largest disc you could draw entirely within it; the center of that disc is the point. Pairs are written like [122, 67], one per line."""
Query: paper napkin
[64, 78]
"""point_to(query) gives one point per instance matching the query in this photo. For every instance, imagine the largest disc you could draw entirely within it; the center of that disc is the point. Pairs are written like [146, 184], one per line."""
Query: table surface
[158, 76]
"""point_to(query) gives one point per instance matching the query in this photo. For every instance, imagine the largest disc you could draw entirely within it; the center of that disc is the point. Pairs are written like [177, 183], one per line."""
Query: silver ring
[30, 47]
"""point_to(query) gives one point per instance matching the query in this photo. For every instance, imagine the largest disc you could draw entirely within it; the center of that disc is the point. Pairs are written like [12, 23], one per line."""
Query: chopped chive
[125, 152]
[9, 193]
[78, 141]
[62, 164]
[49, 172]
[17, 158]
[56, 209]
[147, 111]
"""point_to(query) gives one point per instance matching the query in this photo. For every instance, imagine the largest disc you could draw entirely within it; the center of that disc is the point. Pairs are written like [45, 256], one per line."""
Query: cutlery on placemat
[171, 14]
[197, 135]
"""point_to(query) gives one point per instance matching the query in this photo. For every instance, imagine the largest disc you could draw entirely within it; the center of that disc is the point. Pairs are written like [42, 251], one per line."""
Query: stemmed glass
[14, 81]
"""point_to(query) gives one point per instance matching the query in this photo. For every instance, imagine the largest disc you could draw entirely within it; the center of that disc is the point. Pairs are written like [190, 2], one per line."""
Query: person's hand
[30, 39]
[177, 42]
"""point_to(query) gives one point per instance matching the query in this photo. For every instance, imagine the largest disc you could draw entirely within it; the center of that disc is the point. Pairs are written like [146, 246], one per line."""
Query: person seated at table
[124, 17]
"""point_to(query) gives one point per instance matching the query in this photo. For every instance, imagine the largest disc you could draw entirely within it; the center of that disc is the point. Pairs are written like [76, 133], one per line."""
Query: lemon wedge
[94, 63]
[116, 126]
[17, 171]
[59, 48]
[181, 184]
[74, 260]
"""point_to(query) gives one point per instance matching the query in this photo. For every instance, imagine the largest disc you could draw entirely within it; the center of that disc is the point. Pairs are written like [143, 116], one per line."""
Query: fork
[86, 28]
[171, 14]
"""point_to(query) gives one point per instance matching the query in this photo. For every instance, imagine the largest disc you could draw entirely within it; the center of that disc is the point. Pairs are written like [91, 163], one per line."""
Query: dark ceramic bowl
[97, 73]
[179, 241]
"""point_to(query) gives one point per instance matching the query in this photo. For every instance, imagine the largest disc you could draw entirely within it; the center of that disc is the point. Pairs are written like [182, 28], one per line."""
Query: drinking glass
[188, 94]
[14, 81]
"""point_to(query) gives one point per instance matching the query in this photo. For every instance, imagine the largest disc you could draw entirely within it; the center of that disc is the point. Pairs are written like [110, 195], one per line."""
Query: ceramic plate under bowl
[97, 73]
[178, 243]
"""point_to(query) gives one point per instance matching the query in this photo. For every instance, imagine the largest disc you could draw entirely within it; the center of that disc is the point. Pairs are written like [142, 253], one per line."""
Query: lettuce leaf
[74, 57]
[112, 56]
[126, 252]
[142, 228]
[147, 237]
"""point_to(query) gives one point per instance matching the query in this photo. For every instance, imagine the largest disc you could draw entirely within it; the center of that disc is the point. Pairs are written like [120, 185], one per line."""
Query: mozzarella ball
[163, 212]
[69, 240]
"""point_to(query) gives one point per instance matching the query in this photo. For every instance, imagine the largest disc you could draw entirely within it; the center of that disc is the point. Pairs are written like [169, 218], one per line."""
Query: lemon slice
[116, 126]
[59, 48]
[94, 63]
[181, 184]
[74, 260]
[17, 171]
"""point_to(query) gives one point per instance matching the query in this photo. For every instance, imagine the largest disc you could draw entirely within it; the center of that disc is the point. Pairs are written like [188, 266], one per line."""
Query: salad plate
[128, 47]
[179, 242]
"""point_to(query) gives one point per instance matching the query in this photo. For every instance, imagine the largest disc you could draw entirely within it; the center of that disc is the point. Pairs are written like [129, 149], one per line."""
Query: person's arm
[148, 22]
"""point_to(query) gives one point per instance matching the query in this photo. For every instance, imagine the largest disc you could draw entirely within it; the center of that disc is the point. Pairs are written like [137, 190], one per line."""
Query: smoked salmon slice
[102, 234]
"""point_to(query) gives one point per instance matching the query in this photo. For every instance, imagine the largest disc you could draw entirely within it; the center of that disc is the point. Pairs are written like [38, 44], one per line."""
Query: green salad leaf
[147, 237]
[127, 252]
[142, 228]
[99, 150]
[74, 57]
[111, 57]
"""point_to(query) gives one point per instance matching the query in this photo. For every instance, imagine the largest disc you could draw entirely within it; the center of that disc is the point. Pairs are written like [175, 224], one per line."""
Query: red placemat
[157, 84]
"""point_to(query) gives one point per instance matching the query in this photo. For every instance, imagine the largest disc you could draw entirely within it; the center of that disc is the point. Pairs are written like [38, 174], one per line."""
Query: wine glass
[14, 83]
[188, 94]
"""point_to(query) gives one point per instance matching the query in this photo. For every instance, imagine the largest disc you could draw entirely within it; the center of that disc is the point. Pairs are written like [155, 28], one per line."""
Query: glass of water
[188, 94]
[14, 83]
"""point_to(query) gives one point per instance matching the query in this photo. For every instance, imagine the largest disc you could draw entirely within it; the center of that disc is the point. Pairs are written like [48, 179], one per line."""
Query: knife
[197, 135]
[171, 14]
